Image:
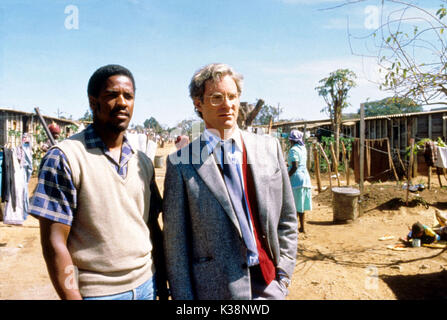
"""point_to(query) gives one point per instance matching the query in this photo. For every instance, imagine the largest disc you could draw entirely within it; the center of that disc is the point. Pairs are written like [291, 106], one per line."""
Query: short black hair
[100, 76]
[417, 228]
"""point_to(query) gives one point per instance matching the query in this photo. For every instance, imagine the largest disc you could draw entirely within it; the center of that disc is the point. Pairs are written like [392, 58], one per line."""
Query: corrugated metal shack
[398, 128]
[14, 123]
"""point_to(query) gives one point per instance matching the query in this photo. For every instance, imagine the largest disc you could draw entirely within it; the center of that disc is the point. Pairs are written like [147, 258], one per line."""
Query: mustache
[120, 110]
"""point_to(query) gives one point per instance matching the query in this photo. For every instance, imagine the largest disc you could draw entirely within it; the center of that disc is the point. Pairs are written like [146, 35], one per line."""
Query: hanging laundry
[430, 153]
[26, 162]
[15, 214]
[8, 188]
[441, 161]
[1, 172]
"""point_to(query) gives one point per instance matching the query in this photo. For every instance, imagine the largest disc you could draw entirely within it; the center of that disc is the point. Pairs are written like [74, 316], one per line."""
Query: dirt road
[334, 261]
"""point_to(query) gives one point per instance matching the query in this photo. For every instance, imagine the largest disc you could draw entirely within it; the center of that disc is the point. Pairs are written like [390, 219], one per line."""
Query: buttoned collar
[213, 140]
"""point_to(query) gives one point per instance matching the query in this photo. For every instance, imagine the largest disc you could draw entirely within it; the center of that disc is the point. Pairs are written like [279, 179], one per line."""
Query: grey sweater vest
[109, 240]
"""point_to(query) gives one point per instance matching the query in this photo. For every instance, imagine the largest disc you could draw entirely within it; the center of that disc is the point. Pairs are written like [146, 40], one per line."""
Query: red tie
[268, 269]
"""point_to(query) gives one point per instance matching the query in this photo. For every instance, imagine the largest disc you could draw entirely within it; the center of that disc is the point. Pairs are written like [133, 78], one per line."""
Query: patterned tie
[232, 177]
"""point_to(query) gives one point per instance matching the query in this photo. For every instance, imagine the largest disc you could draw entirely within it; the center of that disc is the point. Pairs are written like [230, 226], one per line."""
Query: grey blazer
[205, 252]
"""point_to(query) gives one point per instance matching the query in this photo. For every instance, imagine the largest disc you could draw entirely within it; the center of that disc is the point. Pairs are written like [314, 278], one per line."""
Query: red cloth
[268, 269]
[54, 128]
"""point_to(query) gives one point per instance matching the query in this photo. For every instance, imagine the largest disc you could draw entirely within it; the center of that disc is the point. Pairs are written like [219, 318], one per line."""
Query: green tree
[88, 116]
[334, 89]
[390, 105]
[152, 123]
[186, 127]
[266, 113]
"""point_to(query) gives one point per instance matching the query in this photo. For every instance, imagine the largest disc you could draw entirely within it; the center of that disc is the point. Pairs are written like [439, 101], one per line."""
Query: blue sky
[282, 47]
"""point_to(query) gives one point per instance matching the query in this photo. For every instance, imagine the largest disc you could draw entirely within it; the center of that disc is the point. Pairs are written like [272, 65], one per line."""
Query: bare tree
[248, 112]
[410, 47]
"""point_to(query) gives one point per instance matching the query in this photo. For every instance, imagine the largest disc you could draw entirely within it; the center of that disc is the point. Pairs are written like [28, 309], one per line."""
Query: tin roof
[350, 122]
[9, 110]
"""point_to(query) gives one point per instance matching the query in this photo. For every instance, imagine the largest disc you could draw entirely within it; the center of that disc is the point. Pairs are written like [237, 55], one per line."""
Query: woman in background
[299, 176]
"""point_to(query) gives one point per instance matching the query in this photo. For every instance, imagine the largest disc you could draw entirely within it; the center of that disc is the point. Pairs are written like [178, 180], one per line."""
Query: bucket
[416, 242]
[345, 204]
[159, 162]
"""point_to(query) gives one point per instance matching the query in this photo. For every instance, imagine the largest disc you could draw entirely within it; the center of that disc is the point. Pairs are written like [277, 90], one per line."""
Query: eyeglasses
[217, 99]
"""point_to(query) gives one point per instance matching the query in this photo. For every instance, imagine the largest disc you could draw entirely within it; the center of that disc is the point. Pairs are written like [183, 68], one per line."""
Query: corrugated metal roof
[403, 115]
[349, 121]
[3, 109]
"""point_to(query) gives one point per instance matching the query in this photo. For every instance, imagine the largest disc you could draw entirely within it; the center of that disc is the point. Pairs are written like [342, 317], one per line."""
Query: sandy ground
[334, 261]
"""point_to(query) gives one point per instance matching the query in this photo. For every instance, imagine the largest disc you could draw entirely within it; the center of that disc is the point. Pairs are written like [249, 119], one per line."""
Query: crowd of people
[230, 205]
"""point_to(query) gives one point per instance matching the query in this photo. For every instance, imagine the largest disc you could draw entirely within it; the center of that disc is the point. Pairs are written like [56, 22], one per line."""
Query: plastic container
[159, 162]
[345, 204]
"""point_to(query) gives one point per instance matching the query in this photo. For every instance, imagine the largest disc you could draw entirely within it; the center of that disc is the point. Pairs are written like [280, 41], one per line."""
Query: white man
[229, 220]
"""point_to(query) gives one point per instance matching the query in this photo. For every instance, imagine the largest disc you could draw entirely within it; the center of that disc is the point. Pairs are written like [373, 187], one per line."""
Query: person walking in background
[299, 176]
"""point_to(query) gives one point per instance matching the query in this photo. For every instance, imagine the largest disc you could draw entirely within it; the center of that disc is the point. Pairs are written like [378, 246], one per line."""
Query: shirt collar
[212, 140]
[92, 140]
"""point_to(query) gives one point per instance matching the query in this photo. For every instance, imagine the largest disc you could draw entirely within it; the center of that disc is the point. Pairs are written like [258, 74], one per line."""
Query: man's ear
[93, 103]
[198, 104]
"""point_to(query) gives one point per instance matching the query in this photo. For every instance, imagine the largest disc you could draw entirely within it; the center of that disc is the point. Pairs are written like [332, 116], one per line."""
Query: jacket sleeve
[176, 231]
[288, 223]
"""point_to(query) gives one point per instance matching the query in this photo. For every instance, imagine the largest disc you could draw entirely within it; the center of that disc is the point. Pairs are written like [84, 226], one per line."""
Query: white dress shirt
[212, 141]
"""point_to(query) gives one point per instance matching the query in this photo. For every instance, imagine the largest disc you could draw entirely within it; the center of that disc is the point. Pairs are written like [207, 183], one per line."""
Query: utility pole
[362, 152]
[45, 127]
[278, 111]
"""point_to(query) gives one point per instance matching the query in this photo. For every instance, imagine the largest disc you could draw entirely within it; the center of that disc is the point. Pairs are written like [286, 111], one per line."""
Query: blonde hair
[213, 71]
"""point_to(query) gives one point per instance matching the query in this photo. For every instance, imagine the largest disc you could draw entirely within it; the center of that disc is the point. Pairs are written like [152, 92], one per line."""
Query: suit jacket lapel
[207, 169]
[259, 179]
